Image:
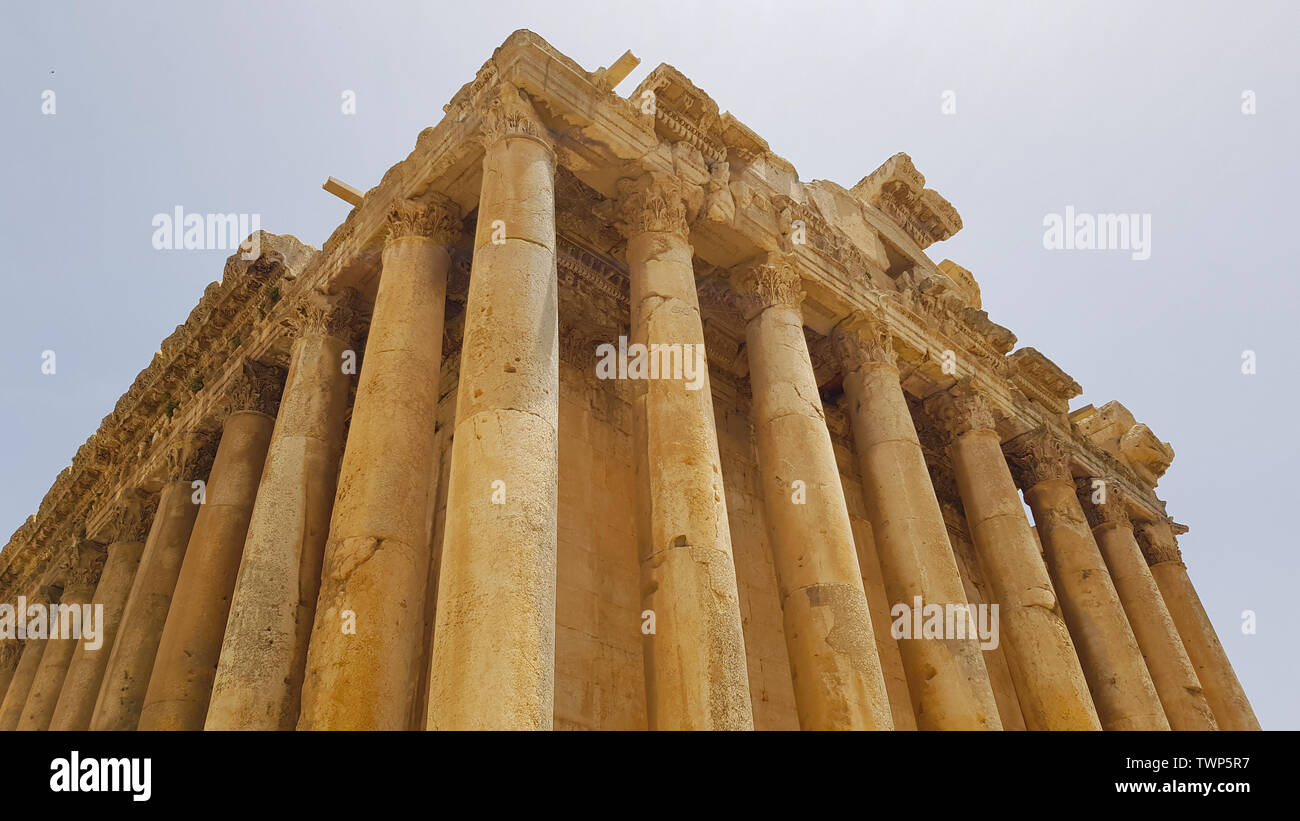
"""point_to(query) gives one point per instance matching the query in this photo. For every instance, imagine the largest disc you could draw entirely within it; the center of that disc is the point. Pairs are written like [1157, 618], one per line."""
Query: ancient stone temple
[592, 415]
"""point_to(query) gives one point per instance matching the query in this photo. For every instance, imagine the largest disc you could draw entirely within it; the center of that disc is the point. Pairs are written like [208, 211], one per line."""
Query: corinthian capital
[1157, 542]
[961, 409]
[1103, 501]
[190, 457]
[1036, 457]
[132, 517]
[652, 203]
[338, 315]
[509, 113]
[861, 339]
[438, 220]
[81, 564]
[257, 388]
[768, 282]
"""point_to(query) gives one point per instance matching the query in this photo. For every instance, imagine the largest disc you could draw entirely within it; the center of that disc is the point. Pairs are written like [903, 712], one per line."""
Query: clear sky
[1109, 107]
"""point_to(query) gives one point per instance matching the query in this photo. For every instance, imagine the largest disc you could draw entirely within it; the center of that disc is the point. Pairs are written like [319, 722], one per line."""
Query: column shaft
[1049, 681]
[494, 632]
[1121, 686]
[76, 702]
[838, 682]
[181, 682]
[10, 652]
[263, 655]
[695, 660]
[1171, 670]
[121, 695]
[363, 661]
[1219, 681]
[946, 677]
[48, 681]
[20, 685]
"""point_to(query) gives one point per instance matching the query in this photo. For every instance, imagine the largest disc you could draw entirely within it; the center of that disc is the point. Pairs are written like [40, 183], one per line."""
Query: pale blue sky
[1107, 106]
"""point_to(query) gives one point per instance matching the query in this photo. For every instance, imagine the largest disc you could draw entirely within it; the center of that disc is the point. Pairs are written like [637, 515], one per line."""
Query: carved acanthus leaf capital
[1103, 501]
[81, 564]
[256, 388]
[770, 281]
[438, 220]
[509, 113]
[340, 315]
[652, 203]
[1036, 457]
[1157, 542]
[132, 516]
[861, 339]
[961, 409]
[190, 457]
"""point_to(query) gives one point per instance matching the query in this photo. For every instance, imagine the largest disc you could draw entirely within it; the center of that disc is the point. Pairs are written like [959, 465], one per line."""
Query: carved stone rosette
[769, 282]
[508, 113]
[438, 220]
[959, 410]
[1113, 511]
[1036, 457]
[1157, 543]
[651, 203]
[257, 389]
[861, 339]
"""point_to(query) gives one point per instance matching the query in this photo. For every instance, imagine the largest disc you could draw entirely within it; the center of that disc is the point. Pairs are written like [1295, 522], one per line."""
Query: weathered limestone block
[695, 659]
[264, 652]
[1121, 686]
[363, 662]
[121, 695]
[947, 678]
[838, 681]
[1049, 681]
[1223, 691]
[181, 683]
[78, 578]
[1171, 670]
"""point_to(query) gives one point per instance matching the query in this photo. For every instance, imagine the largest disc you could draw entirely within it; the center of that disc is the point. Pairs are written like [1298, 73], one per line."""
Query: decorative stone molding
[898, 189]
[257, 388]
[863, 338]
[961, 409]
[1114, 511]
[770, 281]
[438, 220]
[651, 203]
[1157, 542]
[1042, 380]
[1037, 456]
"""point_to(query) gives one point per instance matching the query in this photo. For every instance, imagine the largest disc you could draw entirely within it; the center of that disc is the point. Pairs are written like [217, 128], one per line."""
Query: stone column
[181, 683]
[259, 676]
[1121, 686]
[695, 660]
[77, 574]
[946, 677]
[10, 651]
[11, 710]
[1050, 684]
[1171, 670]
[363, 662]
[130, 663]
[1223, 691]
[838, 683]
[494, 632]
[86, 670]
